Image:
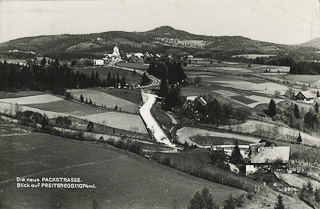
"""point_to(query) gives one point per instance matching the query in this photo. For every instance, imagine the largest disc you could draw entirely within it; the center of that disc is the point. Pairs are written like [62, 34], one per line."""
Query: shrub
[119, 144]
[166, 161]
[68, 95]
[111, 141]
[135, 148]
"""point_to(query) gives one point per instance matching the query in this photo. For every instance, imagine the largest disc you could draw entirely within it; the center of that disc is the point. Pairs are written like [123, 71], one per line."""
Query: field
[243, 99]
[253, 100]
[282, 133]
[112, 118]
[264, 88]
[296, 180]
[126, 121]
[101, 98]
[37, 99]
[186, 134]
[310, 79]
[122, 180]
[69, 107]
[131, 95]
[103, 73]
[4, 95]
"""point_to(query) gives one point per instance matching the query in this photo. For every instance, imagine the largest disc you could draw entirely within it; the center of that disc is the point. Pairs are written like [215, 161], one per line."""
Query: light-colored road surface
[151, 123]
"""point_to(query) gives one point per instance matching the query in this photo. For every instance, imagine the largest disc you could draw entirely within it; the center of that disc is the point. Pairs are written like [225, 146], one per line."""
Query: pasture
[309, 79]
[296, 180]
[37, 99]
[122, 179]
[5, 95]
[131, 95]
[69, 107]
[120, 120]
[263, 88]
[187, 134]
[101, 98]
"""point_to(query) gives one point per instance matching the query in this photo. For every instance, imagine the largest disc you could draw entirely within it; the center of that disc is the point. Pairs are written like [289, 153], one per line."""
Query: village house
[305, 96]
[266, 157]
[98, 62]
[196, 104]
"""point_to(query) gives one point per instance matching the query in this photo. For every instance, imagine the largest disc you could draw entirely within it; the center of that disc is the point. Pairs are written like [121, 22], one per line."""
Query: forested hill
[159, 40]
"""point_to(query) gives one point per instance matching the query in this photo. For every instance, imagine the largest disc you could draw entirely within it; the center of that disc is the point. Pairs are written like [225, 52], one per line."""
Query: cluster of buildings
[129, 57]
[262, 155]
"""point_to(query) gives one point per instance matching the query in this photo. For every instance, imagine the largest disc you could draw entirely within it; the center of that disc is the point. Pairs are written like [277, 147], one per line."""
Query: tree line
[302, 68]
[53, 78]
[167, 70]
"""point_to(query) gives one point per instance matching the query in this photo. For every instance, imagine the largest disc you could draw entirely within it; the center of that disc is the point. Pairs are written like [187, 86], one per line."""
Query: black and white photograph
[159, 104]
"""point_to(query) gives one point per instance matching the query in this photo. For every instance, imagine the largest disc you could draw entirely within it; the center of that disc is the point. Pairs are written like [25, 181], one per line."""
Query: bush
[68, 95]
[135, 148]
[111, 141]
[59, 90]
[88, 62]
[166, 161]
[119, 144]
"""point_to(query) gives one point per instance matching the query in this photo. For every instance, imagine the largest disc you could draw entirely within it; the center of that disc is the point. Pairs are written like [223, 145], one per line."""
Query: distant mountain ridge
[157, 40]
[315, 43]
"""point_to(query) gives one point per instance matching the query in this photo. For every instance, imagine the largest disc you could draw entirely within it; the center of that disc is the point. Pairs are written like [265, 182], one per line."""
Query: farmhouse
[305, 96]
[196, 101]
[265, 157]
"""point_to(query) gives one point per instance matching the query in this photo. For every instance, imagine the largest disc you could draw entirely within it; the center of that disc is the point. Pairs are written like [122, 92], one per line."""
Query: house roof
[270, 154]
[307, 94]
[202, 101]
[191, 98]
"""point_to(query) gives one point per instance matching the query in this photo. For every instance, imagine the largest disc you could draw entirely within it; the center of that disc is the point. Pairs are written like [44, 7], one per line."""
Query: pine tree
[81, 98]
[317, 195]
[299, 139]
[272, 109]
[43, 61]
[236, 156]
[296, 111]
[316, 107]
[163, 88]
[123, 82]
[279, 203]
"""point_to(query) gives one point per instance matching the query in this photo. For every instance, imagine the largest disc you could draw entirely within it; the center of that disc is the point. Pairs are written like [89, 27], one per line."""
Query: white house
[305, 96]
[98, 62]
[264, 157]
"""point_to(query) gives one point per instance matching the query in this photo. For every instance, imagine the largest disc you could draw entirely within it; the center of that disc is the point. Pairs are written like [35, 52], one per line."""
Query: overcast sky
[279, 21]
